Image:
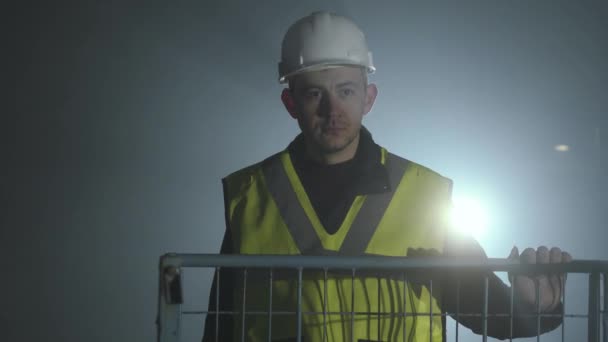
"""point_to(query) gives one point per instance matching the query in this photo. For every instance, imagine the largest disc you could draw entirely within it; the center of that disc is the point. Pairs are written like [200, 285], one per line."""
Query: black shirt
[333, 188]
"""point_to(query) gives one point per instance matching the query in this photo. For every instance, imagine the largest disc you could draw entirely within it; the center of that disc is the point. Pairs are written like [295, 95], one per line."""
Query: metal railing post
[270, 285]
[593, 330]
[325, 304]
[299, 307]
[217, 304]
[352, 306]
[169, 299]
[605, 312]
[485, 309]
[563, 281]
[244, 305]
[457, 306]
[538, 313]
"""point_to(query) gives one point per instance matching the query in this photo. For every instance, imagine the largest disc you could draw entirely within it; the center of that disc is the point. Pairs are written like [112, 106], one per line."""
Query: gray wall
[123, 118]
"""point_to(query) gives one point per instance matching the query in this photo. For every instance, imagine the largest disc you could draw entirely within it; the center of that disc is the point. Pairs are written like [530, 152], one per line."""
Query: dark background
[122, 118]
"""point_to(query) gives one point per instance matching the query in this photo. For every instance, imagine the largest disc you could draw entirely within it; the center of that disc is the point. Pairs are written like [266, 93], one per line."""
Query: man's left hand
[550, 285]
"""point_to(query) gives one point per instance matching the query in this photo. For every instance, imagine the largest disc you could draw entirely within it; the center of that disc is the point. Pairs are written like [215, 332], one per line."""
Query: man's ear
[370, 97]
[289, 102]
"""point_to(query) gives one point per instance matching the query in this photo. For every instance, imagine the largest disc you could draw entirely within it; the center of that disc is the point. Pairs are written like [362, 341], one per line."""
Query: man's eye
[346, 92]
[313, 93]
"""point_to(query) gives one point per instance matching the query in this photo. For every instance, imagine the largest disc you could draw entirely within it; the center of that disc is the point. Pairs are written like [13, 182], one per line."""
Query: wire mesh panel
[363, 298]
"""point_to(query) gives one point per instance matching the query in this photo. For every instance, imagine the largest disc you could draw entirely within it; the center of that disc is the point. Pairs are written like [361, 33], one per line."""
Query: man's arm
[470, 298]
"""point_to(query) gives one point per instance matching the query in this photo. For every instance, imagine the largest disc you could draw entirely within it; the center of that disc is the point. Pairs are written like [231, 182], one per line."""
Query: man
[334, 191]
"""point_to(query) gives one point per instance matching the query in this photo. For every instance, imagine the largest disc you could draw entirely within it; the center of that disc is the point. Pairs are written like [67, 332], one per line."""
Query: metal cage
[170, 297]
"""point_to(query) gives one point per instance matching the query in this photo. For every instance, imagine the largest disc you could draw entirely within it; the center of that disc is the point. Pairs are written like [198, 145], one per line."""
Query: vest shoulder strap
[373, 209]
[292, 212]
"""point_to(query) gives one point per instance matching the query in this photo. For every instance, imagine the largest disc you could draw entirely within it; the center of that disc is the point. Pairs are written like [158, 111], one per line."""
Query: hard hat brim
[323, 66]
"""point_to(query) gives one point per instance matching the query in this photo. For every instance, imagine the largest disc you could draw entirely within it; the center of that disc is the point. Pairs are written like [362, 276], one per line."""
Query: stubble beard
[328, 144]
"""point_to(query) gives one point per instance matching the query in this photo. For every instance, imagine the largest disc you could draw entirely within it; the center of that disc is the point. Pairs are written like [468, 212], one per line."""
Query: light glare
[469, 217]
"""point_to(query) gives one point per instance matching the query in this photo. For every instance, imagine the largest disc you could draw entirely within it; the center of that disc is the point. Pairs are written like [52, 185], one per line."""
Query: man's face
[329, 105]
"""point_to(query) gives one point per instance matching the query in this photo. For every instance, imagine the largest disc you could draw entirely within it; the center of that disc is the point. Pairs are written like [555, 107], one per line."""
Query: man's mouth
[333, 129]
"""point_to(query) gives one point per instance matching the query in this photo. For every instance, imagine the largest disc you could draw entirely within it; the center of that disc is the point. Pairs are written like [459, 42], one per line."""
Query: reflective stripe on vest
[301, 228]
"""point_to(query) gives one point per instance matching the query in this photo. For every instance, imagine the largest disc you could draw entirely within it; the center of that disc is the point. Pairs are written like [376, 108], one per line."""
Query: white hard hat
[323, 40]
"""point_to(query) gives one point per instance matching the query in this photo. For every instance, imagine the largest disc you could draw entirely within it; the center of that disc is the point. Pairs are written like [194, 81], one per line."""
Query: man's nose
[330, 105]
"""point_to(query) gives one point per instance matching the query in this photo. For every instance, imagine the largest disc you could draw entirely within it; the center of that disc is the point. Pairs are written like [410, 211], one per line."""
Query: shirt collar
[370, 176]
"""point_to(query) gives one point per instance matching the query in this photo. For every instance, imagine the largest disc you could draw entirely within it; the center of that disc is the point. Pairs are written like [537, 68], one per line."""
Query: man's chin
[333, 147]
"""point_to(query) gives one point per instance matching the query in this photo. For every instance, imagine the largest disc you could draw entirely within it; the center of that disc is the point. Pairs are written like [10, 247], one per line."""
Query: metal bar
[511, 306]
[352, 307]
[378, 312]
[217, 303]
[593, 330]
[563, 281]
[324, 304]
[431, 310]
[605, 313]
[250, 313]
[244, 303]
[169, 316]
[299, 314]
[270, 306]
[485, 309]
[537, 288]
[457, 306]
[382, 263]
[404, 307]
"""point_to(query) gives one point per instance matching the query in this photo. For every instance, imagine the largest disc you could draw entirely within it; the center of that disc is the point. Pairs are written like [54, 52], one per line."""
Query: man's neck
[332, 158]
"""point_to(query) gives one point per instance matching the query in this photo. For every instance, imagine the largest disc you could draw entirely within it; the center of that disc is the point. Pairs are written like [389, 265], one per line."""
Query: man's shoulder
[427, 178]
[419, 169]
[247, 173]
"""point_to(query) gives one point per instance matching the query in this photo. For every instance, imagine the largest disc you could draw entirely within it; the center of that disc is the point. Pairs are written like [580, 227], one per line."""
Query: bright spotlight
[469, 217]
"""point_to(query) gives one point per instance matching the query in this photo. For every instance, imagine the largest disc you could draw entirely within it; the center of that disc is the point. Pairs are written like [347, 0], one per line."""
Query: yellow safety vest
[269, 212]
